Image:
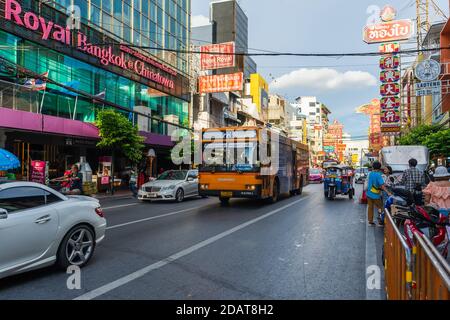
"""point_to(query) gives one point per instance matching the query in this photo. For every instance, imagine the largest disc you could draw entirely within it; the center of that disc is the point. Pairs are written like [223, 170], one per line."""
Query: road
[302, 247]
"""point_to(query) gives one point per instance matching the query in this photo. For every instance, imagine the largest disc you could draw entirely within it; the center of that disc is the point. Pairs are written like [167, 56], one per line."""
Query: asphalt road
[302, 247]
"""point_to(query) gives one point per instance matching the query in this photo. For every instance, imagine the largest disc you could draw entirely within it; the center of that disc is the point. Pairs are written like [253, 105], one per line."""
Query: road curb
[373, 258]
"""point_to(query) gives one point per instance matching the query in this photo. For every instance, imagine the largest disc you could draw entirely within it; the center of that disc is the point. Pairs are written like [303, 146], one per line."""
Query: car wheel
[76, 248]
[179, 195]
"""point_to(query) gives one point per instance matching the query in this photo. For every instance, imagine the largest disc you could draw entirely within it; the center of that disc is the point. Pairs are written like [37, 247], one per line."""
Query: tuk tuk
[338, 181]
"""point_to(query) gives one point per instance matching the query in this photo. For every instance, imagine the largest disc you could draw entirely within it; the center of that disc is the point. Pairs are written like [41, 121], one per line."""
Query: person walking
[133, 182]
[375, 186]
[412, 178]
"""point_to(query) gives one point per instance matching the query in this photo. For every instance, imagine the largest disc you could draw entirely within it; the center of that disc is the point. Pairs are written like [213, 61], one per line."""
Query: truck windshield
[230, 157]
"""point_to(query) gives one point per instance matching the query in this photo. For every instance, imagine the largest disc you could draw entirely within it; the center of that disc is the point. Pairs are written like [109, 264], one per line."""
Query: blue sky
[319, 26]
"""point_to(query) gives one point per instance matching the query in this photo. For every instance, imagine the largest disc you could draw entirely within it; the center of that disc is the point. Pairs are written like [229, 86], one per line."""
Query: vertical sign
[390, 92]
[38, 171]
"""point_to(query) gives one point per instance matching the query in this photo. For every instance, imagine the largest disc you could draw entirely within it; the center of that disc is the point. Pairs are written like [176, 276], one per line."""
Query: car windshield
[173, 175]
[314, 171]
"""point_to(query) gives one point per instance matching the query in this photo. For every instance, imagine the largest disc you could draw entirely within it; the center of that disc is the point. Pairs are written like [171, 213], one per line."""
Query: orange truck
[235, 164]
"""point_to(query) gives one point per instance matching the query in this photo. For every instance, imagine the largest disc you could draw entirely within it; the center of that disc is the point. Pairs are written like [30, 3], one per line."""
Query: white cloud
[199, 20]
[324, 79]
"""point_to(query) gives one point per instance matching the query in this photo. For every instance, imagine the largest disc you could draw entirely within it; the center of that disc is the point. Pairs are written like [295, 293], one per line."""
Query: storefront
[92, 62]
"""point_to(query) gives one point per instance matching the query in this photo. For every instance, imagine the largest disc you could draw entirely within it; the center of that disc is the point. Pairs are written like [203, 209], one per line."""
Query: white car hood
[163, 183]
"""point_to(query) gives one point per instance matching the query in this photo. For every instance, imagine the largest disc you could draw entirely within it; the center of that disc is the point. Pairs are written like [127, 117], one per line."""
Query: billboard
[217, 56]
[221, 83]
[389, 31]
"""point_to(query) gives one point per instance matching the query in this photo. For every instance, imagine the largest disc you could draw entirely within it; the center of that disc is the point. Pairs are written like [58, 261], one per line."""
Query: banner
[217, 56]
[38, 171]
[221, 83]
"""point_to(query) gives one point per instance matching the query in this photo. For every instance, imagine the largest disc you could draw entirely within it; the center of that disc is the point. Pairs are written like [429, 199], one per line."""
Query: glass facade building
[145, 25]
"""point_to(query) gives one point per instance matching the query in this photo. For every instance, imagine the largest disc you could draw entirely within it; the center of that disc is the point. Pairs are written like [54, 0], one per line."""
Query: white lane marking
[140, 273]
[121, 206]
[151, 218]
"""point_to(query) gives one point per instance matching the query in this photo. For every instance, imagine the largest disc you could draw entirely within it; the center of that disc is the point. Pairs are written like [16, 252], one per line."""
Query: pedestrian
[389, 182]
[76, 181]
[413, 179]
[375, 186]
[133, 183]
[437, 193]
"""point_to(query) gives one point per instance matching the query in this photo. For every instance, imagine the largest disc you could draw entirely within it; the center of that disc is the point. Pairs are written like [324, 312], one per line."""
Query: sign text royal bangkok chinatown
[52, 31]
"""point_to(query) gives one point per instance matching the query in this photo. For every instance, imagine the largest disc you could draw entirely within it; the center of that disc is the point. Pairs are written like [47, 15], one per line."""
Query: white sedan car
[172, 185]
[40, 227]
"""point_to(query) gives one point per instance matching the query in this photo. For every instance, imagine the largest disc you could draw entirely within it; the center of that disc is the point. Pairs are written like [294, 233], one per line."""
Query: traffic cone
[363, 199]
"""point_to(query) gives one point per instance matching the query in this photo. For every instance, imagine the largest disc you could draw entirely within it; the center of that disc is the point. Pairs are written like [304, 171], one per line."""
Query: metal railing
[397, 263]
[418, 273]
[431, 277]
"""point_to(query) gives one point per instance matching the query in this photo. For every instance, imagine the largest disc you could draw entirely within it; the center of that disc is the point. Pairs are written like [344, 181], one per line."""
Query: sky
[319, 26]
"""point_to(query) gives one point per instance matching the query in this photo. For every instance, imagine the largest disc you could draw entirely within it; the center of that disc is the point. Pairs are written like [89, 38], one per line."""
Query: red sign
[221, 83]
[390, 102]
[389, 62]
[389, 89]
[389, 31]
[390, 76]
[217, 56]
[390, 118]
[392, 47]
[38, 173]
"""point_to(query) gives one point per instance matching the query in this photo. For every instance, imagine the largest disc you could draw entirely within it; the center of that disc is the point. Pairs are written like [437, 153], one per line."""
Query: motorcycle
[413, 217]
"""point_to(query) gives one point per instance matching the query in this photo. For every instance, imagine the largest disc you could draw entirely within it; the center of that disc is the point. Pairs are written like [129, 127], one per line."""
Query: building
[312, 110]
[210, 110]
[297, 124]
[417, 110]
[277, 112]
[334, 141]
[355, 151]
[441, 112]
[90, 67]
[228, 23]
[231, 24]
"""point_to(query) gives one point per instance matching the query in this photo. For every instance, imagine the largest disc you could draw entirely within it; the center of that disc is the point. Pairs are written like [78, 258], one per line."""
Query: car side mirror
[190, 179]
[3, 214]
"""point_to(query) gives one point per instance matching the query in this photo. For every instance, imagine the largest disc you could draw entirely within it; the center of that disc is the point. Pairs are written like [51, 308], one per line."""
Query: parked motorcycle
[412, 216]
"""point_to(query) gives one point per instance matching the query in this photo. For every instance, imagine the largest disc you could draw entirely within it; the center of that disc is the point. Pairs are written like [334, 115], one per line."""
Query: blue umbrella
[8, 160]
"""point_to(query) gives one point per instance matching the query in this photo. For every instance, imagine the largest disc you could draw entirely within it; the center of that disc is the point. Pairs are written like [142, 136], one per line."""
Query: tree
[438, 143]
[117, 132]
[418, 135]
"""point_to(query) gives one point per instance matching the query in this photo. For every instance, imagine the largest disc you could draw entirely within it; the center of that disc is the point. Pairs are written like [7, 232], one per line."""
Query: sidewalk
[118, 194]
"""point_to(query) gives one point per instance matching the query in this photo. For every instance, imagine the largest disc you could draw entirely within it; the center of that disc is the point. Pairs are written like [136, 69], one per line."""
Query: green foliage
[417, 135]
[117, 132]
[438, 143]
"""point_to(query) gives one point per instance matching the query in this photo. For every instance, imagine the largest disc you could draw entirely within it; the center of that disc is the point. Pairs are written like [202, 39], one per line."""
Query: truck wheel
[275, 193]
[224, 201]
[300, 189]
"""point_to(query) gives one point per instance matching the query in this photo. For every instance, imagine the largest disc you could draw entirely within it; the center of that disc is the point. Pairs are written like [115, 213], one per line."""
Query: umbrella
[8, 160]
